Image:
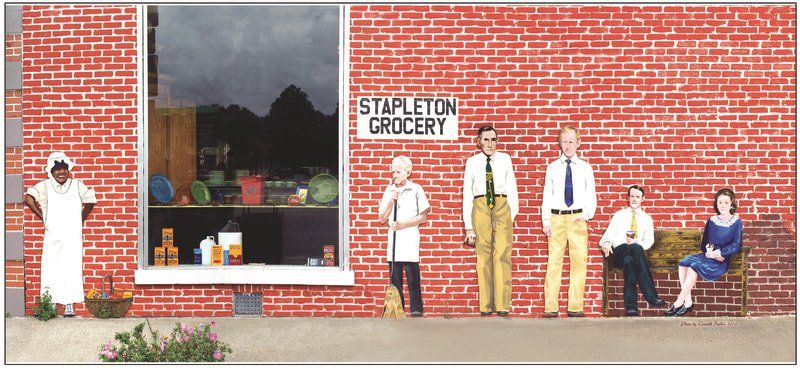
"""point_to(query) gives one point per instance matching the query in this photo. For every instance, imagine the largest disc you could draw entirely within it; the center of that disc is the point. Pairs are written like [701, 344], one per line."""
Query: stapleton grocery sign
[408, 118]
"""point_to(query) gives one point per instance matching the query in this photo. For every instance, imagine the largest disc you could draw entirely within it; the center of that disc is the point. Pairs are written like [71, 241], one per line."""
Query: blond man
[568, 202]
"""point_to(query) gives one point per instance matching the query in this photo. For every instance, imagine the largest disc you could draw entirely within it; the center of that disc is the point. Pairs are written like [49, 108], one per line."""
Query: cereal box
[160, 256]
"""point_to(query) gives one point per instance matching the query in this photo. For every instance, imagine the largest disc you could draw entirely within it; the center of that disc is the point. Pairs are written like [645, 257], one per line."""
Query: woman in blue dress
[722, 238]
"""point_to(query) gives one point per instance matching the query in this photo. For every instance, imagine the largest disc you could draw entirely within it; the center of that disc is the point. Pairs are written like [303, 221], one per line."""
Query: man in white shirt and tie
[569, 201]
[490, 204]
[629, 234]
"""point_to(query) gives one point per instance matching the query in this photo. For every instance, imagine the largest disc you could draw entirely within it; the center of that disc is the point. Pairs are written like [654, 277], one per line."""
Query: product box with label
[167, 237]
[160, 256]
[172, 256]
[216, 255]
[329, 255]
[235, 255]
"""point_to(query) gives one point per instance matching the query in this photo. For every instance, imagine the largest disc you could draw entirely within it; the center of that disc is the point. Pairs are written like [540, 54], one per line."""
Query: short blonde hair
[403, 162]
[569, 128]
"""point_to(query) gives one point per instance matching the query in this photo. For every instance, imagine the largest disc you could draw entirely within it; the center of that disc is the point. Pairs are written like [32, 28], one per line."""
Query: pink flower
[212, 337]
[163, 346]
[183, 327]
[190, 330]
[111, 354]
[213, 324]
[217, 355]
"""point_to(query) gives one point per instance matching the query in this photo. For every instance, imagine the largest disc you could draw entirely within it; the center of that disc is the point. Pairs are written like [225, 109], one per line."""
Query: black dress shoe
[632, 313]
[575, 314]
[502, 314]
[658, 303]
[486, 314]
[683, 310]
[672, 310]
[550, 315]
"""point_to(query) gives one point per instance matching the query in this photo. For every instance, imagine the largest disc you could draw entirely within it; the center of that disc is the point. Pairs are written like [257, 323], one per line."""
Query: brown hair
[725, 192]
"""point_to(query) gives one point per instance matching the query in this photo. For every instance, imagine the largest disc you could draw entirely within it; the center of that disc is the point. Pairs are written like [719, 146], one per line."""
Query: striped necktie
[633, 222]
[489, 184]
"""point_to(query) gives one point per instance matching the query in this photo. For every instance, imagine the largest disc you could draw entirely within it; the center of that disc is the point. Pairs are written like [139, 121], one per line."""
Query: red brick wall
[682, 99]
[80, 96]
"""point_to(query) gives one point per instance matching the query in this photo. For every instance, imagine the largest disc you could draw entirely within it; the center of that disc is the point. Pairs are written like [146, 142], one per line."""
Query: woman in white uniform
[63, 204]
[412, 210]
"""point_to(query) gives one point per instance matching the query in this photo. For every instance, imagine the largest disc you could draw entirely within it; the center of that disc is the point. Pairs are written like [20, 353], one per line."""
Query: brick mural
[684, 100]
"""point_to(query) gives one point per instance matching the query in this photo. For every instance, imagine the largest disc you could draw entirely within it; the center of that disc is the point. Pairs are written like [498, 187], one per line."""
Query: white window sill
[273, 275]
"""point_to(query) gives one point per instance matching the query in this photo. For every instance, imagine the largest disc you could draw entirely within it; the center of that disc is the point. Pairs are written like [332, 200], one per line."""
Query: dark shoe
[550, 315]
[658, 303]
[69, 315]
[416, 314]
[575, 314]
[672, 309]
[683, 310]
[486, 314]
[502, 314]
[632, 313]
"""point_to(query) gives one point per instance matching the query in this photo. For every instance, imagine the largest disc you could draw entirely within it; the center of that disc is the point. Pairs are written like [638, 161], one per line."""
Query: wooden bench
[669, 248]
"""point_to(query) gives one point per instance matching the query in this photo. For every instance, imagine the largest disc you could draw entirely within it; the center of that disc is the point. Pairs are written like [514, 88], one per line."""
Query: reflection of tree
[292, 135]
[301, 135]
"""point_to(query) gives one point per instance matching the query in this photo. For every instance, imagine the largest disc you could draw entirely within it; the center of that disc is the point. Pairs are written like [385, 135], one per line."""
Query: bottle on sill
[205, 250]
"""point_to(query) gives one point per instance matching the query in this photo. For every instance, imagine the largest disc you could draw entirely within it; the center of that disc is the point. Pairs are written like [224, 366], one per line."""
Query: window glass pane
[242, 117]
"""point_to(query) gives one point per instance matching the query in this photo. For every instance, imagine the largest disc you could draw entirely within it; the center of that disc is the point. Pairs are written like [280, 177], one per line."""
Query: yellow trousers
[563, 232]
[493, 248]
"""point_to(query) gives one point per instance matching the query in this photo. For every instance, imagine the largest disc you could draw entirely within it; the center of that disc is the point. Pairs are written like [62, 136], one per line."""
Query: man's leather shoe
[486, 314]
[672, 309]
[502, 314]
[683, 310]
[632, 313]
[550, 315]
[416, 314]
[658, 303]
[575, 314]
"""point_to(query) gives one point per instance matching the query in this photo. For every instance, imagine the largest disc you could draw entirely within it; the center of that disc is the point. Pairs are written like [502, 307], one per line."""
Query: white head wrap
[57, 156]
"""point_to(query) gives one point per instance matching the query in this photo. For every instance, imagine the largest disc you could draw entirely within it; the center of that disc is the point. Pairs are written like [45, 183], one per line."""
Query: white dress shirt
[410, 202]
[621, 223]
[475, 182]
[583, 193]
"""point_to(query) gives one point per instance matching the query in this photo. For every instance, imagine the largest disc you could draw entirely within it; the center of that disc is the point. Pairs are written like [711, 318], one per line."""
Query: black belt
[566, 212]
[496, 195]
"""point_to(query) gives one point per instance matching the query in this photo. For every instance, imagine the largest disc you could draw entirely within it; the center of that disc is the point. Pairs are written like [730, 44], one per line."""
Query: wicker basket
[111, 307]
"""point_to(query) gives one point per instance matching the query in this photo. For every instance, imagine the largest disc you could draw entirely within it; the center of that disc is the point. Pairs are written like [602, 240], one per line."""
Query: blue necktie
[568, 185]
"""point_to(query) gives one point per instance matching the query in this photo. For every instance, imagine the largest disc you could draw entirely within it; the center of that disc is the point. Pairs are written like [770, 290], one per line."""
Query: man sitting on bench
[629, 234]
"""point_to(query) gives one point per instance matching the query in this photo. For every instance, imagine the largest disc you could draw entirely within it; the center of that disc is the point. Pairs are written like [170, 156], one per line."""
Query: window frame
[244, 274]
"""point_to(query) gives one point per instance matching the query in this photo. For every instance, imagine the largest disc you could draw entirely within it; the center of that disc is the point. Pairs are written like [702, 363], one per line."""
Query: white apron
[62, 250]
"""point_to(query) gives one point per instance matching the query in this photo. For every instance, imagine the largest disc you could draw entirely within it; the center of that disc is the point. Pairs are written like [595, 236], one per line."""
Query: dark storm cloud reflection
[247, 55]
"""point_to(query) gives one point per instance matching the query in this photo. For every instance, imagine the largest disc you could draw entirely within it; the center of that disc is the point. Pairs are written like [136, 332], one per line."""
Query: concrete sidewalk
[656, 339]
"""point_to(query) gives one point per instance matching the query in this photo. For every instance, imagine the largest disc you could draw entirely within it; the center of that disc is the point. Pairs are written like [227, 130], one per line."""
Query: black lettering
[428, 105]
[417, 106]
[397, 125]
[429, 124]
[364, 103]
[441, 125]
[396, 103]
[387, 109]
[439, 106]
[408, 125]
[406, 108]
[418, 126]
[377, 103]
[374, 128]
[385, 125]
[451, 106]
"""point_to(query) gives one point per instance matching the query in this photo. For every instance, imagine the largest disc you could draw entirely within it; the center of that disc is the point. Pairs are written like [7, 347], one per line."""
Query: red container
[252, 189]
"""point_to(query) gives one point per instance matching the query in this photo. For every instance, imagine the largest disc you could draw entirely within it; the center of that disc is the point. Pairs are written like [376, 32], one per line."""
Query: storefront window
[242, 124]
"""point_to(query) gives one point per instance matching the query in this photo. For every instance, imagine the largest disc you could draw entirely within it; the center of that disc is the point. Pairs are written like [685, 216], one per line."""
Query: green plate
[200, 193]
[323, 188]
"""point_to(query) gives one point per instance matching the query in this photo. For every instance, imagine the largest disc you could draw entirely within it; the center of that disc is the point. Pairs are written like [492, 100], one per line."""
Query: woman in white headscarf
[63, 204]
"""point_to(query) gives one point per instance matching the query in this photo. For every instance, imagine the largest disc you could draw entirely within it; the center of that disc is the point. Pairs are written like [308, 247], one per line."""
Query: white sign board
[408, 118]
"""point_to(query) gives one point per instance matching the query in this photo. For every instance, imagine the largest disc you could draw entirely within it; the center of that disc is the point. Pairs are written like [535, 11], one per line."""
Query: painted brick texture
[80, 96]
[682, 99]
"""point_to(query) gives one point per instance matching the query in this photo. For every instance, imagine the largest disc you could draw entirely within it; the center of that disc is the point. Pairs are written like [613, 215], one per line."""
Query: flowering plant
[185, 344]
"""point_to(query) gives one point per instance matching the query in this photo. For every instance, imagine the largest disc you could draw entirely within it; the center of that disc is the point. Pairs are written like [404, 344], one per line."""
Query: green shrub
[46, 309]
[184, 344]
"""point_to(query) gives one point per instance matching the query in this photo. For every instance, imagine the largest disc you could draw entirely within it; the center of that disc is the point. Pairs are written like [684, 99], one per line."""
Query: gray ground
[659, 339]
